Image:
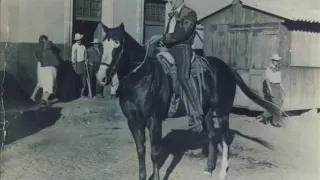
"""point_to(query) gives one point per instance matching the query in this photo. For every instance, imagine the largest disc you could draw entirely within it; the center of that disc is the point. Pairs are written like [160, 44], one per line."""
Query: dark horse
[145, 92]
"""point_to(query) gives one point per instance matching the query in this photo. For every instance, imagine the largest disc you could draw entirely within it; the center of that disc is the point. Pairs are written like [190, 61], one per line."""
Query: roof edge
[216, 12]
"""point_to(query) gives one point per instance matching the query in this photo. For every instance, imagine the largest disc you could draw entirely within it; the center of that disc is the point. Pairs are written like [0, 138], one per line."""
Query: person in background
[46, 70]
[94, 59]
[272, 90]
[79, 61]
[42, 39]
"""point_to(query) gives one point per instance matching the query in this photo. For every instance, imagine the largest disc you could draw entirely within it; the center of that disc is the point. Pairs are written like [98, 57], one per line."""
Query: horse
[145, 91]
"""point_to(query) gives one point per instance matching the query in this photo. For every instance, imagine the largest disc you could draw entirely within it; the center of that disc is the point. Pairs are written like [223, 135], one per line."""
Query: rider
[179, 37]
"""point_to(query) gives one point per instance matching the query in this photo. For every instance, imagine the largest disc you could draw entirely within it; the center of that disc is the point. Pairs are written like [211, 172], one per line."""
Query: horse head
[112, 51]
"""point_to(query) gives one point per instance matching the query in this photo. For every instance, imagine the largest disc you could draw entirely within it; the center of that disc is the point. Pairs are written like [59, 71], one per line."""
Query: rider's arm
[184, 28]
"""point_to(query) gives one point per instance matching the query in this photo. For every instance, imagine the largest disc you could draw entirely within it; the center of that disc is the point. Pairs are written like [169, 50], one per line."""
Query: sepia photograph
[159, 89]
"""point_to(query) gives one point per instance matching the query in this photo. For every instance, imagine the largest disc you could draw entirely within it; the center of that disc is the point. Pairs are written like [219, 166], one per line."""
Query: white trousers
[47, 78]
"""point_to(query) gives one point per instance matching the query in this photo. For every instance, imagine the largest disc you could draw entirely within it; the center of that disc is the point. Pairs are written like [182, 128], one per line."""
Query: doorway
[87, 15]
[154, 20]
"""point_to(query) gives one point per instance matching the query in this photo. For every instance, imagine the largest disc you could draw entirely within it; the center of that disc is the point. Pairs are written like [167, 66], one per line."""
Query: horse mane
[130, 42]
[133, 56]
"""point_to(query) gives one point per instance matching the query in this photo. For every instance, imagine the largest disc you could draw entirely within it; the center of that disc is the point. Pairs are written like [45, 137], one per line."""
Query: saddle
[198, 67]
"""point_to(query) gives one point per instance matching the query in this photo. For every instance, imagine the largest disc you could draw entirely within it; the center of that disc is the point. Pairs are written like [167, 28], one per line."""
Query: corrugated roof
[288, 9]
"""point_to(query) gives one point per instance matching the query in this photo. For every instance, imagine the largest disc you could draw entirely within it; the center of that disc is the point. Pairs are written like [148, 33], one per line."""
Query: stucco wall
[22, 22]
[27, 20]
[131, 14]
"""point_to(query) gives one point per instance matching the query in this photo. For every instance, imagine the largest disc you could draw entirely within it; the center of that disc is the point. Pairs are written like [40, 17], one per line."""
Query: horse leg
[155, 132]
[224, 128]
[138, 133]
[212, 157]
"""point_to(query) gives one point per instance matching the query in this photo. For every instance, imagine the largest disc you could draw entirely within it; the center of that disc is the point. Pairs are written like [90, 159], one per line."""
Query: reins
[135, 69]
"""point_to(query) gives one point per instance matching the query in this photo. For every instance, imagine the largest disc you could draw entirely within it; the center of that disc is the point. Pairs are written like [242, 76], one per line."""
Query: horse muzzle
[102, 79]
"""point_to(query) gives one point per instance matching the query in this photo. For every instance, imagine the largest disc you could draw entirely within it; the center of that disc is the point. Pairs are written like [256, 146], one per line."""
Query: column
[68, 23]
[107, 14]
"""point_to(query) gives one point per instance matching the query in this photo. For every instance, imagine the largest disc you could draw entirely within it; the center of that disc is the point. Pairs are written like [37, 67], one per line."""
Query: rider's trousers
[182, 54]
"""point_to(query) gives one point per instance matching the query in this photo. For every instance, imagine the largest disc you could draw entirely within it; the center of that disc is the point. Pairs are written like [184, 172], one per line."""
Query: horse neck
[132, 57]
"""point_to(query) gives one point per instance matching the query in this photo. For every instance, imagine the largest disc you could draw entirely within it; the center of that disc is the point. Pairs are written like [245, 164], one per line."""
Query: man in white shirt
[272, 90]
[79, 60]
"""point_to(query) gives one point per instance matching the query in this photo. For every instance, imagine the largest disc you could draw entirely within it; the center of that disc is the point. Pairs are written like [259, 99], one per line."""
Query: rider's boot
[191, 94]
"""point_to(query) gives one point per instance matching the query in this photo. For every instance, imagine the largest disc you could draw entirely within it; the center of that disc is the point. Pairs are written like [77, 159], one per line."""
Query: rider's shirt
[173, 20]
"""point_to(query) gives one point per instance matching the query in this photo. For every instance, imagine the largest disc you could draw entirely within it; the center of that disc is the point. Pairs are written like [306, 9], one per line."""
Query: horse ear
[121, 26]
[105, 28]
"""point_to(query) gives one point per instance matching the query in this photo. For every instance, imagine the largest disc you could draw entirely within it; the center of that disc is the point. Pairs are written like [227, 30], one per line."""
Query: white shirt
[79, 53]
[173, 21]
[272, 75]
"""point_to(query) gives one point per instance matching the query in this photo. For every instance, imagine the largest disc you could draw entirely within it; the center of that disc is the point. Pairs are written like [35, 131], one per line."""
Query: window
[88, 10]
[155, 13]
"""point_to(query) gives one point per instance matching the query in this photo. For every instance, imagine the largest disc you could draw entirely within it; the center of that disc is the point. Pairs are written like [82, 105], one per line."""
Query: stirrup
[197, 126]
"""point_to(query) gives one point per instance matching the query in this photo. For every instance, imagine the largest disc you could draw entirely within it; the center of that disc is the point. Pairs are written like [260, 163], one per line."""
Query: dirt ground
[90, 140]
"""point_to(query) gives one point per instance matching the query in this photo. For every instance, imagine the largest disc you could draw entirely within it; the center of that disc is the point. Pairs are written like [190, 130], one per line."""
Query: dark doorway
[86, 28]
[154, 19]
[87, 15]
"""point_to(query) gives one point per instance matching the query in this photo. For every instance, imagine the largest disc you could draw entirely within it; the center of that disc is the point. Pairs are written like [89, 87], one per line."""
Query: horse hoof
[276, 125]
[207, 173]
[222, 176]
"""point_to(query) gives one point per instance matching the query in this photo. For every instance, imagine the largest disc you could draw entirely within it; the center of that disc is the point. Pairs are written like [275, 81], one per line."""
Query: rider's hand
[155, 39]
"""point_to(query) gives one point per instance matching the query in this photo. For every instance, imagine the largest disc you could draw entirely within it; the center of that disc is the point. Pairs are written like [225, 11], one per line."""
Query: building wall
[246, 39]
[301, 85]
[22, 22]
[9, 19]
[305, 49]
[131, 14]
[230, 34]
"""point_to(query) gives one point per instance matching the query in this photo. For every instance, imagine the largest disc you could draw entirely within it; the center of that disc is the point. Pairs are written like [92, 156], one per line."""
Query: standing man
[272, 90]
[79, 61]
[178, 38]
[94, 59]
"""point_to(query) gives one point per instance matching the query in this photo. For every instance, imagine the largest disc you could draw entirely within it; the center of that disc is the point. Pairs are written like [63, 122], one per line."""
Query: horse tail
[252, 95]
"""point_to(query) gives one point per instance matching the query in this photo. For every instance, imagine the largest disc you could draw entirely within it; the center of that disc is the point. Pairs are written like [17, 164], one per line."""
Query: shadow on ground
[178, 142]
[21, 125]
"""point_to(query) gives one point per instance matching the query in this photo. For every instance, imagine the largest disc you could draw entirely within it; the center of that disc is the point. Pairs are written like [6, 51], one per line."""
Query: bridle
[118, 58]
[116, 62]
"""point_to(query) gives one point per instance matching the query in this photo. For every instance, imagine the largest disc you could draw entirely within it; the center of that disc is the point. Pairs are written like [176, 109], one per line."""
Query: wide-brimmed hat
[95, 41]
[276, 57]
[78, 36]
